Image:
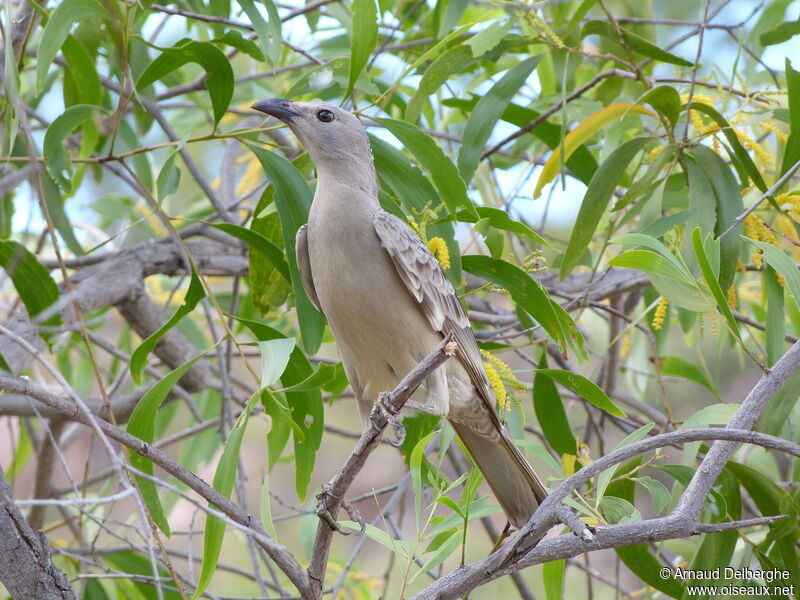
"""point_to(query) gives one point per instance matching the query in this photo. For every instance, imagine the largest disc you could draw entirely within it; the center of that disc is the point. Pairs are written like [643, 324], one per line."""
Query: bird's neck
[362, 181]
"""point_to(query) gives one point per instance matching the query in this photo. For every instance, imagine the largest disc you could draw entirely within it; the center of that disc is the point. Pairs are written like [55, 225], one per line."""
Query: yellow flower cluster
[661, 314]
[755, 229]
[694, 116]
[543, 28]
[535, 262]
[770, 127]
[438, 248]
[500, 375]
[732, 297]
[751, 144]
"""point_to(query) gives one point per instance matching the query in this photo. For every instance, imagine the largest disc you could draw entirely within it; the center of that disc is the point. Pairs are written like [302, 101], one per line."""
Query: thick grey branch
[25, 566]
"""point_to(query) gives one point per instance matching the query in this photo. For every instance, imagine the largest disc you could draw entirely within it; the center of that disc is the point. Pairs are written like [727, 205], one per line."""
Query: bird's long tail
[514, 483]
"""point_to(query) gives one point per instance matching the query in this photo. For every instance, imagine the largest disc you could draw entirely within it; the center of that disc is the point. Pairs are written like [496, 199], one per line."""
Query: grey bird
[389, 303]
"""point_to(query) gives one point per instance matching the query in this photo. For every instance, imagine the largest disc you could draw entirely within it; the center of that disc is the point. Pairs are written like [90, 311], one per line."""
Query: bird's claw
[392, 419]
[323, 513]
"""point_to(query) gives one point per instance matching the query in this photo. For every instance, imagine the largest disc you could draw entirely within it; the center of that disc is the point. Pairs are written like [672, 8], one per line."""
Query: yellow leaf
[584, 131]
[568, 460]
[584, 455]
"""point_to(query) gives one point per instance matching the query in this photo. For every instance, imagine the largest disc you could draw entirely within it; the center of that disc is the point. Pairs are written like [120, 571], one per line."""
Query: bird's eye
[325, 116]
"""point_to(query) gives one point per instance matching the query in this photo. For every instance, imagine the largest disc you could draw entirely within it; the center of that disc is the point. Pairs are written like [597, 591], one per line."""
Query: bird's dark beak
[278, 108]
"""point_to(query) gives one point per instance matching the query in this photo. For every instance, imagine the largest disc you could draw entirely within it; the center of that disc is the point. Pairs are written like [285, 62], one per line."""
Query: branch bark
[25, 566]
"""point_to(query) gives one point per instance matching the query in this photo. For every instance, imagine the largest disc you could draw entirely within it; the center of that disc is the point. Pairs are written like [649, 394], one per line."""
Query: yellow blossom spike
[438, 248]
[661, 314]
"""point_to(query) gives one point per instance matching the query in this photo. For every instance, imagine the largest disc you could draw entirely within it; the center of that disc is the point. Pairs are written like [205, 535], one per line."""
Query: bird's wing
[423, 277]
[304, 265]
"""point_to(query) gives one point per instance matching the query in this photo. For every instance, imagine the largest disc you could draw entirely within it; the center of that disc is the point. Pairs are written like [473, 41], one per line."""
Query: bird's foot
[391, 417]
[324, 513]
[578, 527]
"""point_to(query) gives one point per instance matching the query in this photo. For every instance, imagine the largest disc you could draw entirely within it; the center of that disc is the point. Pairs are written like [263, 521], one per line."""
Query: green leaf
[324, 374]
[224, 478]
[455, 60]
[293, 199]
[56, 158]
[142, 425]
[713, 284]
[219, 73]
[739, 153]
[792, 152]
[307, 412]
[82, 72]
[275, 355]
[363, 38]
[268, 32]
[553, 579]
[33, 283]
[415, 467]
[676, 366]
[448, 546]
[648, 568]
[486, 114]
[634, 42]
[524, 290]
[780, 261]
[666, 100]
[130, 562]
[776, 314]
[55, 206]
[618, 510]
[596, 200]
[550, 412]
[256, 241]
[728, 204]
[659, 494]
[500, 219]
[781, 33]
[441, 170]
[169, 177]
[55, 32]
[584, 388]
[666, 278]
[234, 39]
[194, 294]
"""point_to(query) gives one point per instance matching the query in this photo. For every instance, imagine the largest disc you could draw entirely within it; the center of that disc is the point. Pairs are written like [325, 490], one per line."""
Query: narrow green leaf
[169, 177]
[82, 72]
[142, 425]
[139, 356]
[219, 73]
[780, 261]
[596, 200]
[256, 241]
[792, 152]
[500, 219]
[33, 282]
[584, 388]
[728, 203]
[524, 290]
[448, 546]
[634, 42]
[56, 158]
[268, 32]
[676, 366]
[55, 206]
[713, 284]
[441, 170]
[553, 579]
[659, 494]
[293, 199]
[648, 568]
[739, 153]
[234, 39]
[55, 32]
[455, 60]
[550, 412]
[265, 508]
[776, 314]
[224, 478]
[363, 38]
[486, 114]
[783, 32]
[324, 374]
[415, 467]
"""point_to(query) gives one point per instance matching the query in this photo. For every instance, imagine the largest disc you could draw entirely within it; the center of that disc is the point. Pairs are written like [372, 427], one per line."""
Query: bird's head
[332, 136]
